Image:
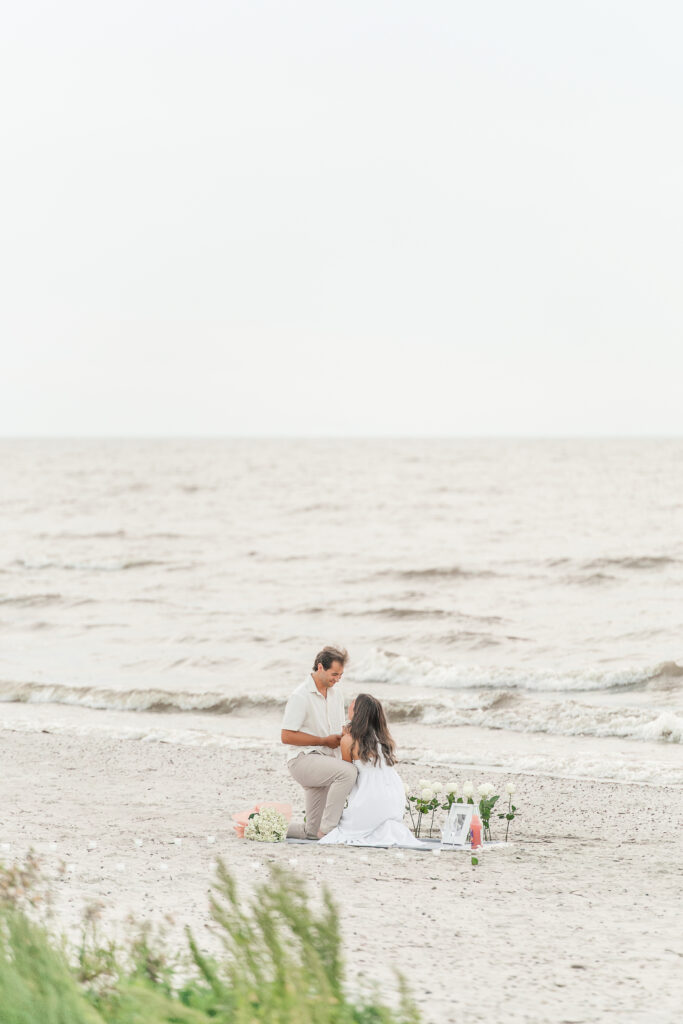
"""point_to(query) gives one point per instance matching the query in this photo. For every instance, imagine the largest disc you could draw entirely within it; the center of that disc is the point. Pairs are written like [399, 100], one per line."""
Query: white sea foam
[106, 699]
[567, 718]
[176, 737]
[571, 765]
[570, 720]
[487, 708]
[384, 667]
[560, 763]
[667, 726]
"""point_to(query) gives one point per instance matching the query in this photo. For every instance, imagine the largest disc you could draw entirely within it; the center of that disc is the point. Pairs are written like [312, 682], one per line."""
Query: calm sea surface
[524, 586]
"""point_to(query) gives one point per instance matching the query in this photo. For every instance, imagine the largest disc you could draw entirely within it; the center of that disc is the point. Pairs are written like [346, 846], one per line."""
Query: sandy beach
[578, 920]
[342, 340]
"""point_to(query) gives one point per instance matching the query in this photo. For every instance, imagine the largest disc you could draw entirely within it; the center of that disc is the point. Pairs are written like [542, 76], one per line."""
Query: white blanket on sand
[427, 845]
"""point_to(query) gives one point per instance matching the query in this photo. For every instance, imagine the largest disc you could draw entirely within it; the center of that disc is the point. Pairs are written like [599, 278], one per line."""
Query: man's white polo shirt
[308, 711]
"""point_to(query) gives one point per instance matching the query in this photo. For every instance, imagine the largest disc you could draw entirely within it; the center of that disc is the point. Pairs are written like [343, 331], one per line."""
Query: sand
[576, 921]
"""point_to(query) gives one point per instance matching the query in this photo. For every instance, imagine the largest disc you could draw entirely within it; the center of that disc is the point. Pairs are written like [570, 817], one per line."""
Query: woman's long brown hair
[369, 730]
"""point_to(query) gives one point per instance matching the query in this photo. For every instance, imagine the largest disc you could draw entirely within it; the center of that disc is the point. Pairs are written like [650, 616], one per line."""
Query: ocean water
[520, 587]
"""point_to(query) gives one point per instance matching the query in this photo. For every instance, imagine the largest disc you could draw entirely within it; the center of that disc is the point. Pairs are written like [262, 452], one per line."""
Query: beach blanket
[432, 845]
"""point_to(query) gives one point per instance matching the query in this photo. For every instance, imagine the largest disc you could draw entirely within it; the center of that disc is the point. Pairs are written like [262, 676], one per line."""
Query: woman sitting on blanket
[374, 814]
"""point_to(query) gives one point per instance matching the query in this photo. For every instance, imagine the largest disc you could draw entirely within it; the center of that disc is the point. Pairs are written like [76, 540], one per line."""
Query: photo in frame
[457, 827]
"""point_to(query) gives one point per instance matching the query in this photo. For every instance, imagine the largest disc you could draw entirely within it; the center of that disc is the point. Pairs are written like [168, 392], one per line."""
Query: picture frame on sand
[457, 827]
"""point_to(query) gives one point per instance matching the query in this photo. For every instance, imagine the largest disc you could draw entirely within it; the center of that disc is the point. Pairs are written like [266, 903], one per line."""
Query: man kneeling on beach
[311, 731]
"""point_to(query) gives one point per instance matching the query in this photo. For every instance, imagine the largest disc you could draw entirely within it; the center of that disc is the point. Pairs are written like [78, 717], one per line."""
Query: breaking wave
[437, 572]
[407, 613]
[31, 600]
[103, 699]
[140, 563]
[567, 719]
[495, 709]
[594, 579]
[386, 667]
[632, 562]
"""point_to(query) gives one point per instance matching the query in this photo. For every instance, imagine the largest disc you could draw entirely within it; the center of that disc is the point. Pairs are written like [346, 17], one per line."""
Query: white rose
[452, 787]
[423, 783]
[437, 787]
[407, 788]
[427, 794]
[510, 788]
[468, 788]
[485, 789]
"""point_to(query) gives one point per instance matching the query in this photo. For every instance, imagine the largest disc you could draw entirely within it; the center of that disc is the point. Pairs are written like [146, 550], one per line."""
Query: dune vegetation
[281, 963]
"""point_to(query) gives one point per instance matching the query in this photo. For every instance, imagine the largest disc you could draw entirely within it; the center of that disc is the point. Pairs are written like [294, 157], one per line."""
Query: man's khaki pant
[327, 781]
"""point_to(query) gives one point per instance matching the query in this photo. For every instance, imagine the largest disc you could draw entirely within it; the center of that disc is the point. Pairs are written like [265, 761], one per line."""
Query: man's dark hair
[328, 655]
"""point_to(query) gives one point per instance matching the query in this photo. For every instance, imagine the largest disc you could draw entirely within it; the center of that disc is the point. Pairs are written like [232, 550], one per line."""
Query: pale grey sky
[393, 217]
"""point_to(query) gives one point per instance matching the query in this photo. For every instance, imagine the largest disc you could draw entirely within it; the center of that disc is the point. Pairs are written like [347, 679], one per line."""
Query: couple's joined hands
[304, 739]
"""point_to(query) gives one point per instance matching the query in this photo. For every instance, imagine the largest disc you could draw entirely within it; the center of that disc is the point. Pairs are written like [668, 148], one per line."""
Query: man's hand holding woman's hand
[332, 741]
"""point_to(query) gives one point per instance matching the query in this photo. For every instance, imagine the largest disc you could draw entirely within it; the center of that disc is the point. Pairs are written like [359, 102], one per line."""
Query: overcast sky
[376, 217]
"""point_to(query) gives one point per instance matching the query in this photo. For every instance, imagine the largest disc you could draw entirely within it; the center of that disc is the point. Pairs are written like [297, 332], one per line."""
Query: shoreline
[587, 888]
[451, 748]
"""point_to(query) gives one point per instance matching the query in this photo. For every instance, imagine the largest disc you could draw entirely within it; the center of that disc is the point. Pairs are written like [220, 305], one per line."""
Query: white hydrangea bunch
[268, 826]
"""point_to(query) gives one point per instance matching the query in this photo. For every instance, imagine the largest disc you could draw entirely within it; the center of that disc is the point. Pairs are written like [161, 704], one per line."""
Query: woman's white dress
[374, 815]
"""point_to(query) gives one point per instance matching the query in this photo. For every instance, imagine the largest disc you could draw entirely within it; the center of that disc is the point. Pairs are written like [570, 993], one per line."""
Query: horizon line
[343, 437]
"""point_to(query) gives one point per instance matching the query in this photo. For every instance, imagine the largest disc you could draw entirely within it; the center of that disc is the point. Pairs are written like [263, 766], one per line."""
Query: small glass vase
[423, 826]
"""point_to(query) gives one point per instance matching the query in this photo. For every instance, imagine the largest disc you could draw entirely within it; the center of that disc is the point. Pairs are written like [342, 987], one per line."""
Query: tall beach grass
[281, 963]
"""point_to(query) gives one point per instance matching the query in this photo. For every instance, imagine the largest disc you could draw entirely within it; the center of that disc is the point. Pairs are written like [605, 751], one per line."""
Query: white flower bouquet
[266, 826]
